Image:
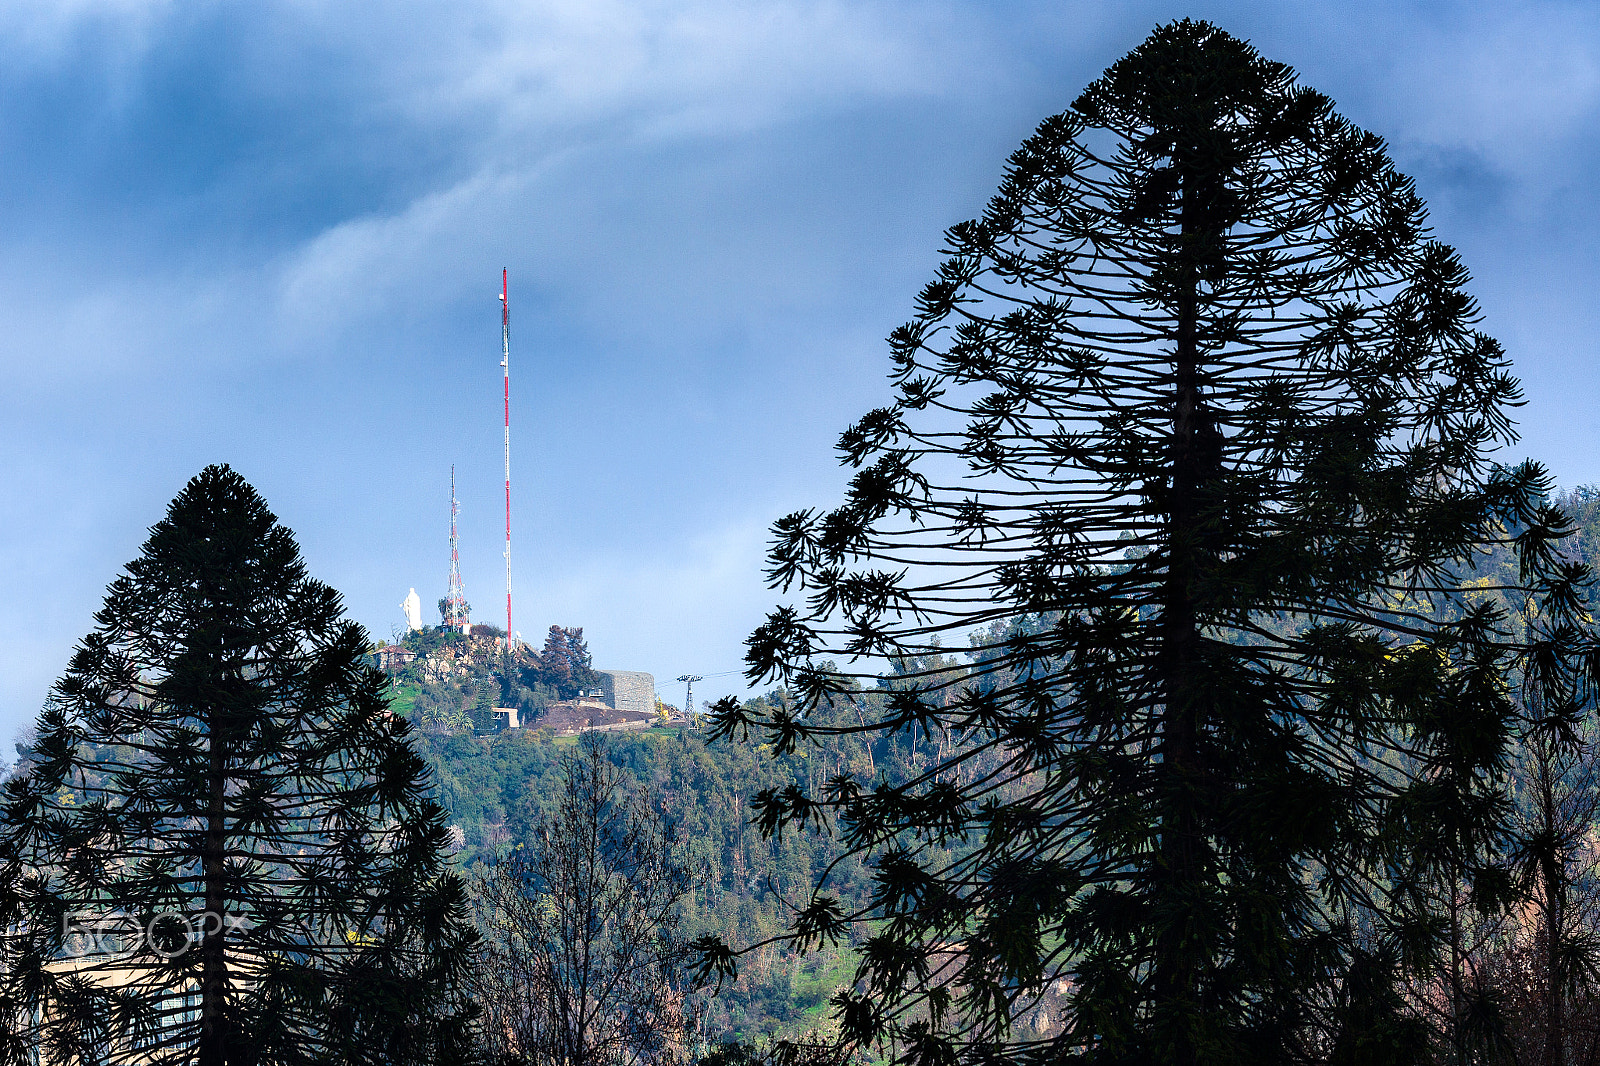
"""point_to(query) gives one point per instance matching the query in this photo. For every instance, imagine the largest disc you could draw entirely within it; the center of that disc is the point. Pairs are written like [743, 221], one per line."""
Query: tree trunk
[1457, 975]
[1554, 877]
[1175, 977]
[213, 959]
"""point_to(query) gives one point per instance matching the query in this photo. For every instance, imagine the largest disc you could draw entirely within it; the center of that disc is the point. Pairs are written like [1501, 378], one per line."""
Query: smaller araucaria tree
[224, 851]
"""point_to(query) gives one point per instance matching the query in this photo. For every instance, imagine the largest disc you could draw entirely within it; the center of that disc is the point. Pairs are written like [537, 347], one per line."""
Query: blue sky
[270, 234]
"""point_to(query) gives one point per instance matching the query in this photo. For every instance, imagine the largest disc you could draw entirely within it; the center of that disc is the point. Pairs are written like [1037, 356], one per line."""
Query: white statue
[412, 606]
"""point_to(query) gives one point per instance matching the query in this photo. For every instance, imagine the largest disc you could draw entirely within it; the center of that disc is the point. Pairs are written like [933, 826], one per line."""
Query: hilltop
[451, 682]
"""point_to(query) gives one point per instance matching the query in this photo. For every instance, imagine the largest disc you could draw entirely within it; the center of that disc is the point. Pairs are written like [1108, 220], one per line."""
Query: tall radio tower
[505, 363]
[455, 601]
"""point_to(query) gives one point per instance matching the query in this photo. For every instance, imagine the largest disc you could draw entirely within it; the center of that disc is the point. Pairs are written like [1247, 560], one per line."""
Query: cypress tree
[224, 851]
[1193, 437]
[565, 665]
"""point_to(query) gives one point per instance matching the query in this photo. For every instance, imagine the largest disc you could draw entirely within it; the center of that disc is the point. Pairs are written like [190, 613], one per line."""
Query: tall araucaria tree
[1199, 413]
[224, 851]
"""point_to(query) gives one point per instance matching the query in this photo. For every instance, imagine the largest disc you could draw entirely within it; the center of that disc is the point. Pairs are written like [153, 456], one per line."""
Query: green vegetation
[457, 680]
[403, 699]
[498, 787]
[590, 967]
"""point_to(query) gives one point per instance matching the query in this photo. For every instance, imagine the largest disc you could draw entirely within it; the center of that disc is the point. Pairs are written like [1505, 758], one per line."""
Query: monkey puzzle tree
[1198, 414]
[224, 851]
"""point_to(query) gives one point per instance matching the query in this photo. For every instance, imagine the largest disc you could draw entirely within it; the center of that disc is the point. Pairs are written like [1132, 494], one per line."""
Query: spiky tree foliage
[1198, 414]
[224, 851]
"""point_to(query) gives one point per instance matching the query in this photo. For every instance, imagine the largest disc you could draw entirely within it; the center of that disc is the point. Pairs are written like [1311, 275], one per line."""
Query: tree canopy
[1197, 432]
[224, 850]
[565, 665]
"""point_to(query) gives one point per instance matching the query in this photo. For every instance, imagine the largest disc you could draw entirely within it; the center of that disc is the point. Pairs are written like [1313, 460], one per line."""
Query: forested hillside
[494, 786]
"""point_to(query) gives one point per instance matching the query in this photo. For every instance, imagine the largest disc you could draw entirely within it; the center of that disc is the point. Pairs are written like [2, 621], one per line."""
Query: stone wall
[617, 727]
[632, 691]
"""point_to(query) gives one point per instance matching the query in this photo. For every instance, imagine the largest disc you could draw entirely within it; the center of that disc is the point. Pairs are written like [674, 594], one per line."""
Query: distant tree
[224, 851]
[444, 610]
[483, 706]
[586, 966]
[565, 665]
[1545, 981]
[441, 709]
[23, 744]
[1200, 401]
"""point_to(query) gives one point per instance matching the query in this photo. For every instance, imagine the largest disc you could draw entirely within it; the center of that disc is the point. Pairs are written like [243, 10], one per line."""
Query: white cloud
[724, 61]
[358, 268]
[1515, 84]
[44, 34]
[42, 25]
[560, 79]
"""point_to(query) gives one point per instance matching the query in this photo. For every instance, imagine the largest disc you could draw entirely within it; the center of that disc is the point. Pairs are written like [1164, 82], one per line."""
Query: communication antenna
[505, 364]
[688, 695]
[455, 600]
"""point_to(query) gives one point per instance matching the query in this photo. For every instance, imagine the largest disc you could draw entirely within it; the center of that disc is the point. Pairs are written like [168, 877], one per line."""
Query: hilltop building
[625, 699]
[393, 657]
[630, 691]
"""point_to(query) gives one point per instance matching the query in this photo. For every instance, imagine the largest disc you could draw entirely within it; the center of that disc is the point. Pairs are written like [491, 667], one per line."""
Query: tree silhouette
[223, 852]
[1197, 415]
[1547, 974]
[589, 968]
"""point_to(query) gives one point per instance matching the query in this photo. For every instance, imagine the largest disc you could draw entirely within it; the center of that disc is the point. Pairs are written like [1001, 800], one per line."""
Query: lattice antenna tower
[505, 364]
[455, 601]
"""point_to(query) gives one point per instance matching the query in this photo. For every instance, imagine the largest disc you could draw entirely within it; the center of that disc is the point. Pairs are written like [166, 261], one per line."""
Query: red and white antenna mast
[505, 364]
